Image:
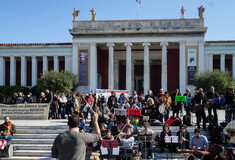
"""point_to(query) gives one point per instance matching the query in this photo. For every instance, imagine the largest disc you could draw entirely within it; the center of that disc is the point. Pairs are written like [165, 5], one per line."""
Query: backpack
[172, 121]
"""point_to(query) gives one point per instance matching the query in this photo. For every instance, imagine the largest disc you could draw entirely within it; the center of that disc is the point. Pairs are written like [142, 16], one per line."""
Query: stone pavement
[34, 138]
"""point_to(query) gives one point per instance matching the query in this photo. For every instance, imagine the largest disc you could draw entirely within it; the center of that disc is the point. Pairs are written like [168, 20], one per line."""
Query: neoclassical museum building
[122, 54]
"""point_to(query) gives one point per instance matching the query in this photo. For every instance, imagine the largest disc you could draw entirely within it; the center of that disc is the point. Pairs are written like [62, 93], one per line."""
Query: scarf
[7, 131]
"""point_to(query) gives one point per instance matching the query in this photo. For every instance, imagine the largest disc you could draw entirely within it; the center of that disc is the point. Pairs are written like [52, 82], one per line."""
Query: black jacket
[185, 144]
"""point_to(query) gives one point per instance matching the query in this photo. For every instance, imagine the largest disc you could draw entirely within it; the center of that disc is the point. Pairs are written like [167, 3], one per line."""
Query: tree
[58, 82]
[219, 79]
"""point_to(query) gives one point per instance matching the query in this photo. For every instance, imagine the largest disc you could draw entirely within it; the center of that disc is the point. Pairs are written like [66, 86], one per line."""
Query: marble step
[27, 158]
[33, 146]
[35, 136]
[32, 141]
[32, 153]
[40, 131]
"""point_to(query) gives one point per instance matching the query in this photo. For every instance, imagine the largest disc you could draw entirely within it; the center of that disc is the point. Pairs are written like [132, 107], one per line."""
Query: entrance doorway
[139, 84]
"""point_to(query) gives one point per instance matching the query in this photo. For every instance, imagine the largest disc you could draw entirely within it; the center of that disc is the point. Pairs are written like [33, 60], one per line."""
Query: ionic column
[93, 66]
[2, 71]
[222, 62]
[146, 67]
[201, 56]
[211, 62]
[66, 63]
[182, 67]
[56, 63]
[111, 65]
[45, 64]
[34, 70]
[128, 66]
[233, 64]
[75, 59]
[164, 65]
[12, 71]
[23, 71]
[116, 74]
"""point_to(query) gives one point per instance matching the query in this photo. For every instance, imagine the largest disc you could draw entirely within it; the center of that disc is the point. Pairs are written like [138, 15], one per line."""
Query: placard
[189, 99]
[25, 111]
[109, 143]
[83, 66]
[120, 112]
[134, 112]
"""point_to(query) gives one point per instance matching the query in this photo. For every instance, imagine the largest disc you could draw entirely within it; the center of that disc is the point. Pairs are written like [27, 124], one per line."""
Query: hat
[197, 130]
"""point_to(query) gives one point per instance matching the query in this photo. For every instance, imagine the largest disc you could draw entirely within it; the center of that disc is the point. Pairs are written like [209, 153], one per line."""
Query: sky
[47, 21]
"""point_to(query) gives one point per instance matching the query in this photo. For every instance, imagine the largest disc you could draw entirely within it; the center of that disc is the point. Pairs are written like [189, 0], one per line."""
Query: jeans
[63, 111]
[166, 116]
[7, 138]
[149, 146]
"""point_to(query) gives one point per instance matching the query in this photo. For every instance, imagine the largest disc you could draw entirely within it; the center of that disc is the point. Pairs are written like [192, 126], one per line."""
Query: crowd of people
[152, 107]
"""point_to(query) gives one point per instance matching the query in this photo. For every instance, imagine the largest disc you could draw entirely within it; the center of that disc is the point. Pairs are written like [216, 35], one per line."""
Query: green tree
[58, 82]
[219, 79]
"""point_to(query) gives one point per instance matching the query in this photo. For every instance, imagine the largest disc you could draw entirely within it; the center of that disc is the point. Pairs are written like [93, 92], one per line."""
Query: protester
[112, 98]
[70, 104]
[229, 131]
[229, 104]
[42, 98]
[149, 95]
[62, 102]
[72, 144]
[20, 99]
[13, 98]
[7, 129]
[29, 98]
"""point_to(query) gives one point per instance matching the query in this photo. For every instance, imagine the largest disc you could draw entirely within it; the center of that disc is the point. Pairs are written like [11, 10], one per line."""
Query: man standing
[176, 106]
[188, 94]
[146, 132]
[199, 102]
[72, 144]
[7, 129]
[211, 95]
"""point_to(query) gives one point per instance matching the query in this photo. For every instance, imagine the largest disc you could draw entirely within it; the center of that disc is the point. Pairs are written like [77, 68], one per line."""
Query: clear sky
[40, 21]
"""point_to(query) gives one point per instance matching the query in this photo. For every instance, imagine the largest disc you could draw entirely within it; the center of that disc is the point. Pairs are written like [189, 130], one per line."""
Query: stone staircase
[34, 138]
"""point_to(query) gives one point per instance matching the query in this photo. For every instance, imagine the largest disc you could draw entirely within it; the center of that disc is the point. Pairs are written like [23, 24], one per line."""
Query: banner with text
[25, 111]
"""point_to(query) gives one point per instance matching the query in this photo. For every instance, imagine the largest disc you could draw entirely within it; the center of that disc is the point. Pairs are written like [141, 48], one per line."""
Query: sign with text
[25, 111]
[120, 112]
[191, 65]
[83, 62]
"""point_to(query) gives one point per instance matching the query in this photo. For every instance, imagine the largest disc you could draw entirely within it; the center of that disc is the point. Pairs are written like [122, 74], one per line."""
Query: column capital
[110, 44]
[33, 57]
[22, 56]
[92, 43]
[201, 42]
[164, 43]
[146, 44]
[128, 44]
